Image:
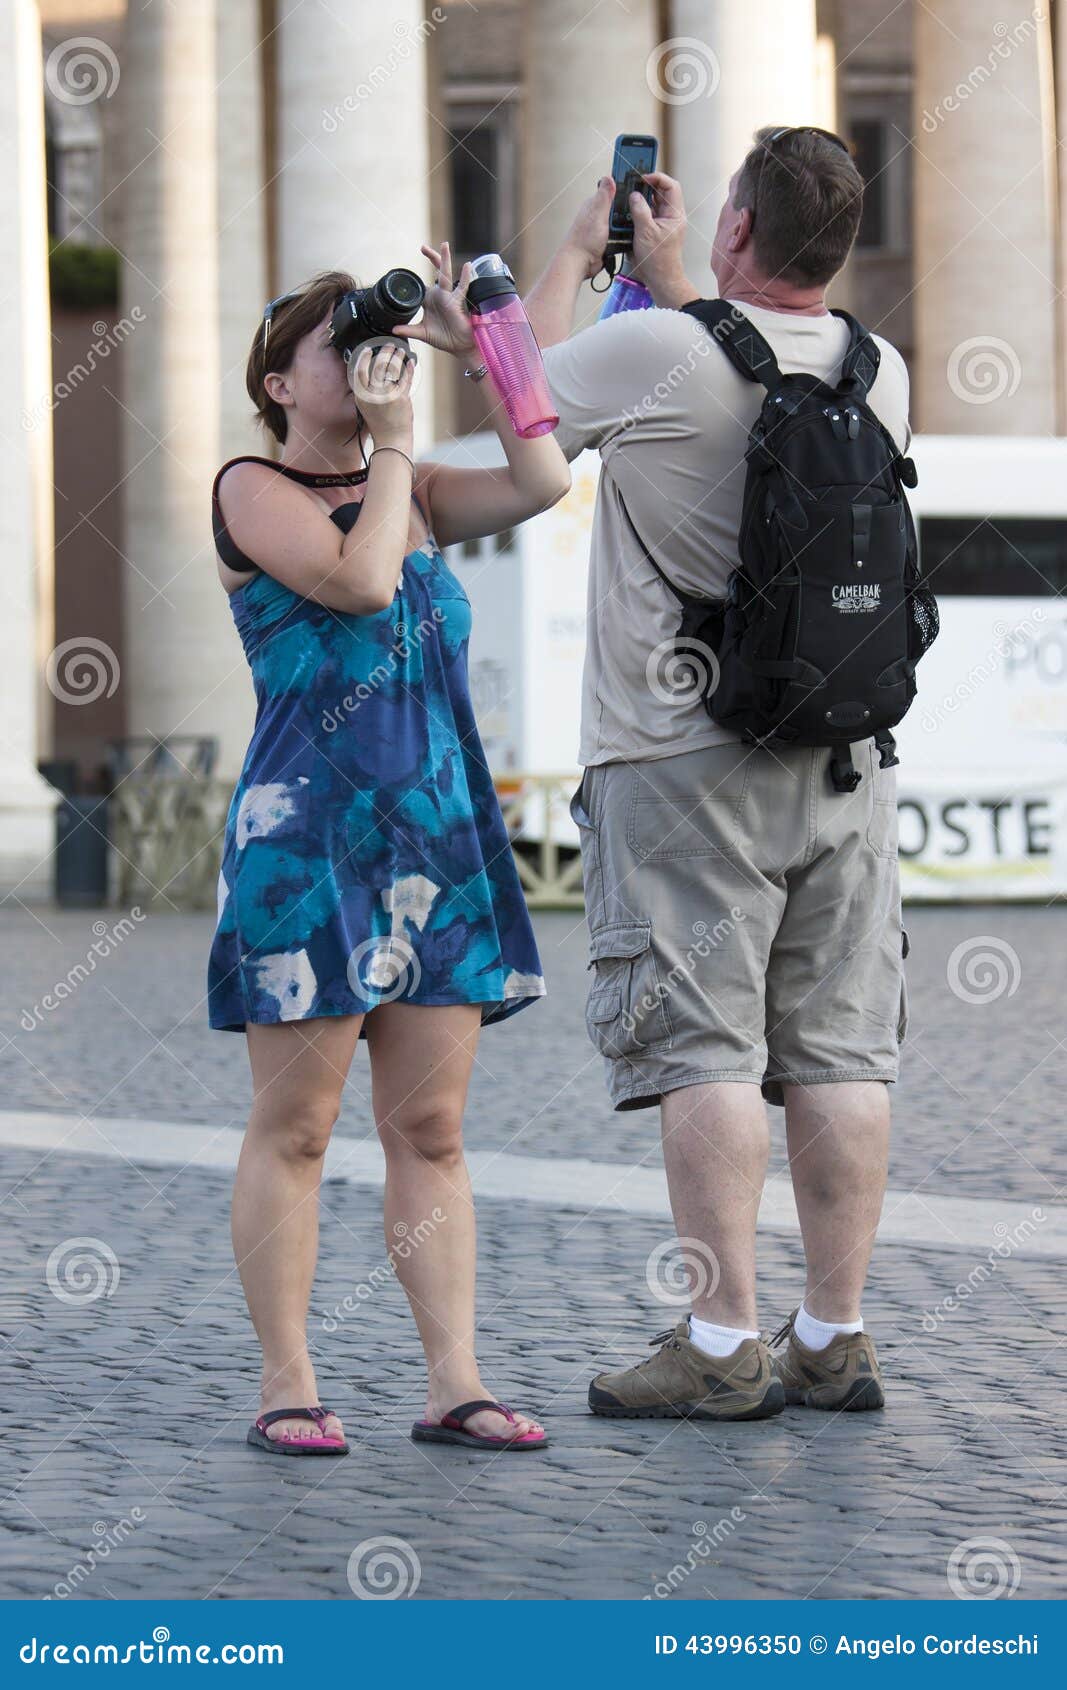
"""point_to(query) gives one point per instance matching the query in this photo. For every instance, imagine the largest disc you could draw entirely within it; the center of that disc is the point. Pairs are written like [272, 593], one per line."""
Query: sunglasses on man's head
[805, 129]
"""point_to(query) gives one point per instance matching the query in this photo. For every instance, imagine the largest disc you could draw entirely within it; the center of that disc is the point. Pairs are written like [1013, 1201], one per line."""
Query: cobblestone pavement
[979, 1109]
[125, 1470]
[124, 1421]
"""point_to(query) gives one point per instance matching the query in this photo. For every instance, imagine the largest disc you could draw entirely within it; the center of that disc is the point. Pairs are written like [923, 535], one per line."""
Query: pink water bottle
[509, 348]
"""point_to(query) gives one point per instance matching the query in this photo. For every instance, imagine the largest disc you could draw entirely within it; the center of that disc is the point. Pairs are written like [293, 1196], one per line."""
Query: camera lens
[402, 290]
[367, 312]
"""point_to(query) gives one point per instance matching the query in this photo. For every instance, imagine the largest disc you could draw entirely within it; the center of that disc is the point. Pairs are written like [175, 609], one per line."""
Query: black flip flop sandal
[450, 1430]
[257, 1434]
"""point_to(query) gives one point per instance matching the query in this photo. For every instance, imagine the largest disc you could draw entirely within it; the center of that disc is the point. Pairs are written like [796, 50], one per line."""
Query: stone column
[590, 73]
[27, 801]
[352, 148]
[184, 669]
[243, 192]
[985, 258]
[441, 227]
[730, 67]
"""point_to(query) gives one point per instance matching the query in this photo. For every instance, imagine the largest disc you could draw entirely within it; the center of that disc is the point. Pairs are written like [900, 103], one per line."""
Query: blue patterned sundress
[365, 858]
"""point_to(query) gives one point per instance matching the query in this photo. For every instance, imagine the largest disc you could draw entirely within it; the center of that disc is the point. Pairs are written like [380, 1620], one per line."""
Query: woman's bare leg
[298, 1074]
[421, 1061]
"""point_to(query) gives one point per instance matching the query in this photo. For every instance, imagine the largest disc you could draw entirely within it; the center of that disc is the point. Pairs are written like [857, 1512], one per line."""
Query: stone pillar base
[27, 836]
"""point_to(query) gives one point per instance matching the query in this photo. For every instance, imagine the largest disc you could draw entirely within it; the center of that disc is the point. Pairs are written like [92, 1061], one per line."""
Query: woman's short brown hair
[289, 324]
[805, 195]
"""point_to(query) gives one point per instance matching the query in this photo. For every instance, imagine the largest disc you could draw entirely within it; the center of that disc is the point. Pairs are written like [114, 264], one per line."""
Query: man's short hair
[805, 195]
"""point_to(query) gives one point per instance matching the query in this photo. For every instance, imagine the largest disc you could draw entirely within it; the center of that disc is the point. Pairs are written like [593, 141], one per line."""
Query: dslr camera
[365, 313]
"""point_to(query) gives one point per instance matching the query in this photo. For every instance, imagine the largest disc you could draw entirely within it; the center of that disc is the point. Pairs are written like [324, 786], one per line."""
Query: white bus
[982, 780]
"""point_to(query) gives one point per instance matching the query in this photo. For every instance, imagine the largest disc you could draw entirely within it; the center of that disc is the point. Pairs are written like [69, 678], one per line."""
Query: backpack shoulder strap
[686, 600]
[862, 357]
[742, 343]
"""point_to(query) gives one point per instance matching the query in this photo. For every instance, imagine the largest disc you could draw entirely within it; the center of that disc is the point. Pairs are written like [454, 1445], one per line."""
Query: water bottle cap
[491, 264]
[491, 279]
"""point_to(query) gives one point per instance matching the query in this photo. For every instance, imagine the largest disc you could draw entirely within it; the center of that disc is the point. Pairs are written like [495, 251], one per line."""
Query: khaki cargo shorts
[744, 920]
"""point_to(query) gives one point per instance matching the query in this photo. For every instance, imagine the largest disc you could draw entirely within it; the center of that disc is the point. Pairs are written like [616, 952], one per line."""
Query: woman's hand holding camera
[380, 376]
[446, 324]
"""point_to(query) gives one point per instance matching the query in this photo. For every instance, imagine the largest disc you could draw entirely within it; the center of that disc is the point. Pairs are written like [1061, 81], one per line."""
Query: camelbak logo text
[852, 599]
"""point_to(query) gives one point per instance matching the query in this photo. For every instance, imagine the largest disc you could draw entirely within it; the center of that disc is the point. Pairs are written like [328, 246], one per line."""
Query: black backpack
[817, 639]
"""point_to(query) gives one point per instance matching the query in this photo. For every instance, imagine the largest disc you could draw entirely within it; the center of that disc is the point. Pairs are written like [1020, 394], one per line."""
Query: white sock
[816, 1334]
[716, 1340]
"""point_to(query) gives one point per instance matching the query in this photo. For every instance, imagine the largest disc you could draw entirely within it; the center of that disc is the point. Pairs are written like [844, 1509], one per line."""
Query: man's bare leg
[838, 1137]
[715, 1146]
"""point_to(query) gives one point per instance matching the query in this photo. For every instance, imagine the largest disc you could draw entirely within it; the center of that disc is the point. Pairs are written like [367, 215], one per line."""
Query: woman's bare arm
[278, 527]
[290, 537]
[464, 504]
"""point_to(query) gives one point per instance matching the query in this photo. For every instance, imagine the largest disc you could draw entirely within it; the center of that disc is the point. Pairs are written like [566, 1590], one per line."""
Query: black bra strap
[226, 546]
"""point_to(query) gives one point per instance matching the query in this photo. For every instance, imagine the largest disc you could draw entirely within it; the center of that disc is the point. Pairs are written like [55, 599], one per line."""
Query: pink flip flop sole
[451, 1430]
[257, 1434]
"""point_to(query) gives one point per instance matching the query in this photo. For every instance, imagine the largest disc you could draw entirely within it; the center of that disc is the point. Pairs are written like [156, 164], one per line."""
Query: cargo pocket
[626, 1013]
[902, 1015]
[882, 825]
[690, 805]
[589, 846]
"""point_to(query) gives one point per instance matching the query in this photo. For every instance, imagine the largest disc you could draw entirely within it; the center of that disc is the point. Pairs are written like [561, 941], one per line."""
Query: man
[744, 916]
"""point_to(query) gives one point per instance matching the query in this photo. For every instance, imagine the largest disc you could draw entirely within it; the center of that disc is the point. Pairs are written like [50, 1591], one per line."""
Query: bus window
[993, 557]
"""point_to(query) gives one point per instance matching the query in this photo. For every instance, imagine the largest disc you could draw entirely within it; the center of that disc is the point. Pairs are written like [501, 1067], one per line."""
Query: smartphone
[634, 155]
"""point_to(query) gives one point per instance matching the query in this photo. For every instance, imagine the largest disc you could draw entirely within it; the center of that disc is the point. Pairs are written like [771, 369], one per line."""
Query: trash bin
[81, 852]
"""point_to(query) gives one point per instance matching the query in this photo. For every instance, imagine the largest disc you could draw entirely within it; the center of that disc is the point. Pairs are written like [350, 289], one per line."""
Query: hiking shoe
[680, 1382]
[844, 1375]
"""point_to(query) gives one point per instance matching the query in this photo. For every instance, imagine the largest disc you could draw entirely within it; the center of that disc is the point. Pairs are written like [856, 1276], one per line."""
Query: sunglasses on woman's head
[270, 308]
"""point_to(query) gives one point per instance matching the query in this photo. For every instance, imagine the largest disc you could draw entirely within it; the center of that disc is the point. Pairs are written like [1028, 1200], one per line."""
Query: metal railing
[167, 820]
[534, 806]
[166, 816]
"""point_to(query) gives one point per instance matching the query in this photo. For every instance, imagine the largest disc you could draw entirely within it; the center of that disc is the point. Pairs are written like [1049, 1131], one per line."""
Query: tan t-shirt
[679, 465]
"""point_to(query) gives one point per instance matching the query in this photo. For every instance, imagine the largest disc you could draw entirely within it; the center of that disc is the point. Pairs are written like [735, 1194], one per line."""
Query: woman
[367, 887]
